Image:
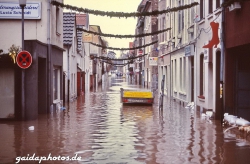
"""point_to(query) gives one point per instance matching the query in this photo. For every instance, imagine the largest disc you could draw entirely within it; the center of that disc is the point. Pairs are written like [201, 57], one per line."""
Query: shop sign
[189, 50]
[12, 10]
[153, 61]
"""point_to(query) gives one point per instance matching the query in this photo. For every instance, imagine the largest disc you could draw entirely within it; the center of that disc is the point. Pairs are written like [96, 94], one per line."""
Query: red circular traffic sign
[24, 59]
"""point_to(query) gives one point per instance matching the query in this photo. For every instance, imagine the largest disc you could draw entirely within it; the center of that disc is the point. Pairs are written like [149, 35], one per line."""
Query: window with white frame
[181, 82]
[184, 74]
[162, 28]
[180, 18]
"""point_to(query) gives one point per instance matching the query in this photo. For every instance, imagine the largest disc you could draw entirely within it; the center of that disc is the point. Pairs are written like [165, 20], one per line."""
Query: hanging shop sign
[215, 39]
[12, 10]
[153, 61]
[140, 52]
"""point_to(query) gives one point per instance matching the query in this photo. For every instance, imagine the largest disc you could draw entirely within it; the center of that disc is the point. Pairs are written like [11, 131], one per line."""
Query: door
[42, 87]
[243, 87]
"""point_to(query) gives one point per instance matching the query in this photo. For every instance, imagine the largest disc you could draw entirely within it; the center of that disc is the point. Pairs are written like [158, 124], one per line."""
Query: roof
[68, 27]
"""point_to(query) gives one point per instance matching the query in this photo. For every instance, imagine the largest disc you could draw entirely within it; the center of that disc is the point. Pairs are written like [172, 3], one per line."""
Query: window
[163, 27]
[175, 73]
[202, 10]
[181, 74]
[192, 13]
[56, 84]
[160, 28]
[210, 6]
[184, 74]
[57, 20]
[180, 18]
[217, 4]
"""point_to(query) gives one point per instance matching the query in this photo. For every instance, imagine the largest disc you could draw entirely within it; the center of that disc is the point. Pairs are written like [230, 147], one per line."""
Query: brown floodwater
[100, 130]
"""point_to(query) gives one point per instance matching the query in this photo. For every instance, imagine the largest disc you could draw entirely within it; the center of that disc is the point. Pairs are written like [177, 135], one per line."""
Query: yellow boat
[136, 96]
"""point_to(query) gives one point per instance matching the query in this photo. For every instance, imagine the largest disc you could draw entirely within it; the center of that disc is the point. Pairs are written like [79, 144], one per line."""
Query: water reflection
[101, 130]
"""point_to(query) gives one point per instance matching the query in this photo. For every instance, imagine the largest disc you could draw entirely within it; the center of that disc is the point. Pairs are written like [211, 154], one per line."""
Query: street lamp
[22, 4]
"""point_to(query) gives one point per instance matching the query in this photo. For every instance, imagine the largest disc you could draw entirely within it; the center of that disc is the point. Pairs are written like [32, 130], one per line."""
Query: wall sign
[189, 50]
[153, 61]
[12, 10]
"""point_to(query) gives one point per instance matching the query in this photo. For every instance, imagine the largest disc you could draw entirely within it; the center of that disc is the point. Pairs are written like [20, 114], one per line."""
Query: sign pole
[23, 71]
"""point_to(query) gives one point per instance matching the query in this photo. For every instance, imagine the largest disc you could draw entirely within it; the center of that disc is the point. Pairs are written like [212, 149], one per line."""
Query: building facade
[236, 80]
[189, 61]
[43, 39]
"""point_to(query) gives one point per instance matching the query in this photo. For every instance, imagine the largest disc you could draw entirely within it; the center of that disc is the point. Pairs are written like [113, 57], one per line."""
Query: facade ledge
[201, 98]
[183, 93]
[209, 16]
[201, 21]
[217, 11]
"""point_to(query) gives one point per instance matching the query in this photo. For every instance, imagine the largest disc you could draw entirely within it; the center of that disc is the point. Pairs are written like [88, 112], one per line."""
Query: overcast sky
[111, 25]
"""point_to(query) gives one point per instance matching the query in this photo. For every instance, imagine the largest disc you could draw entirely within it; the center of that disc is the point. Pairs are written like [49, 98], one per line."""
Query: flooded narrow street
[100, 129]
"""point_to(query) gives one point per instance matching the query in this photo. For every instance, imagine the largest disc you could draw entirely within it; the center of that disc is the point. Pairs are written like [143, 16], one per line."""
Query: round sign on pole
[24, 59]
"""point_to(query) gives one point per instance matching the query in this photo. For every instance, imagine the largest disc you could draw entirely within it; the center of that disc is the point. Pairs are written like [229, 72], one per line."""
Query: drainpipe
[49, 56]
[68, 74]
[171, 77]
[222, 76]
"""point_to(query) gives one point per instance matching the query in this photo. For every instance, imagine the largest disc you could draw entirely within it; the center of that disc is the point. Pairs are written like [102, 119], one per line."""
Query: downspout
[84, 62]
[222, 75]
[49, 56]
[68, 74]
[170, 77]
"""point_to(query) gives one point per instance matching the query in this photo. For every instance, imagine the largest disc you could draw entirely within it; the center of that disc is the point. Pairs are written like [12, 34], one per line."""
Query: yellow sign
[137, 94]
[87, 37]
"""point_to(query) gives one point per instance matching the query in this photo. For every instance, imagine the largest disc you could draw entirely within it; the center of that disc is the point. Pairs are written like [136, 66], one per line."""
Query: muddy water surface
[100, 130]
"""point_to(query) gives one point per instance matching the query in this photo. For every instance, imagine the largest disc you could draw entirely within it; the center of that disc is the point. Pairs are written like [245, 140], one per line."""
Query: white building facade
[191, 73]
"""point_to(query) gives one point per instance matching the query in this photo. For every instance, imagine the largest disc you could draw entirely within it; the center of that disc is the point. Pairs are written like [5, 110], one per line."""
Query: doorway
[242, 86]
[42, 87]
[192, 78]
[218, 88]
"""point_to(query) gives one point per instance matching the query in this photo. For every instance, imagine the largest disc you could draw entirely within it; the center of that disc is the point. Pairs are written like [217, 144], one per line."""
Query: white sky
[111, 25]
